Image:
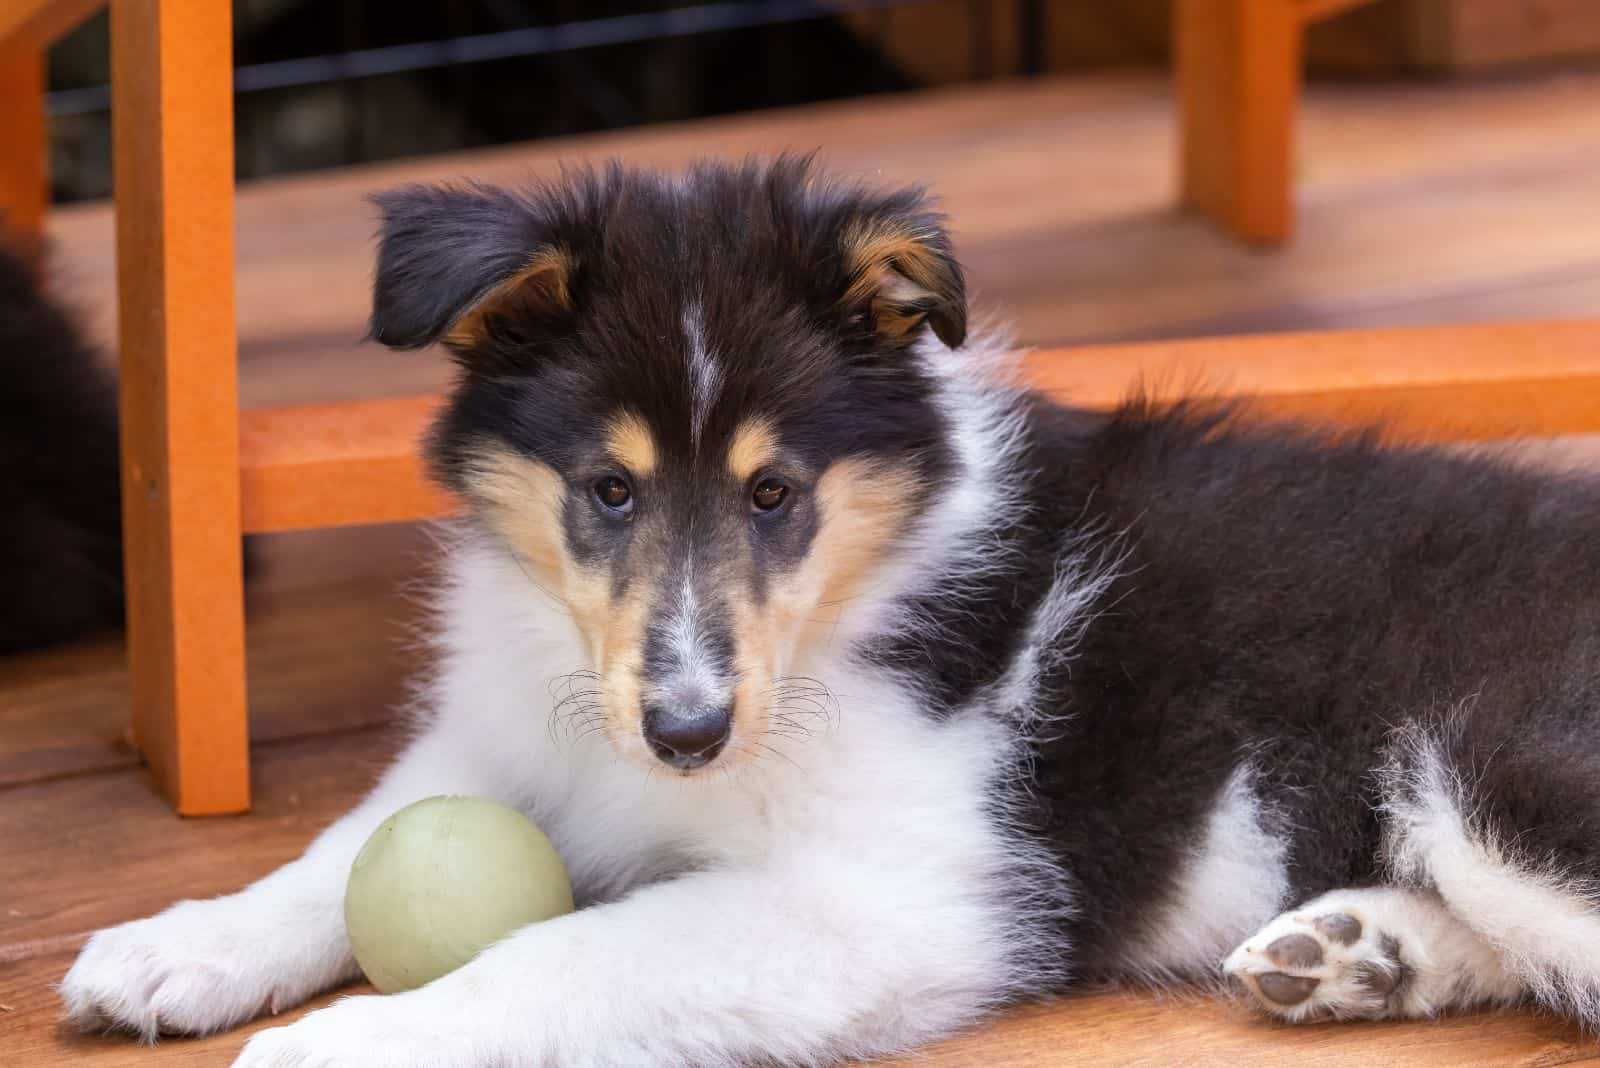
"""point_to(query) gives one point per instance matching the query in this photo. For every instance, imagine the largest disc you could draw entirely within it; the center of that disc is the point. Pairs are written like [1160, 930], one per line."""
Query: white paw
[1327, 959]
[199, 967]
[415, 1030]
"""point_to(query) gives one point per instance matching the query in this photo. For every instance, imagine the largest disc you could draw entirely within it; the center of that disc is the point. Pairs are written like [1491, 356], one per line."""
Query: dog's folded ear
[903, 274]
[454, 262]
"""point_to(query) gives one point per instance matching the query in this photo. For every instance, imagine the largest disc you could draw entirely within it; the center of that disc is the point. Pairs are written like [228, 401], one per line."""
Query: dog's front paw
[414, 1030]
[199, 967]
[1325, 960]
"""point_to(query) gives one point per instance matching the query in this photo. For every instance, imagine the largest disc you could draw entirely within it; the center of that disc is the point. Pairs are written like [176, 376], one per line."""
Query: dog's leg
[820, 959]
[1508, 835]
[1370, 953]
[204, 966]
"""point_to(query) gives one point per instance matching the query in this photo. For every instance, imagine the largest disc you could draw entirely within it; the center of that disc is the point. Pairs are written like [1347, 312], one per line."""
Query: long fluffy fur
[1124, 691]
[61, 572]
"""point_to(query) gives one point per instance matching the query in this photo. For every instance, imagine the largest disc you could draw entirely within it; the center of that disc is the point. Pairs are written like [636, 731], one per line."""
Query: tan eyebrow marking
[754, 445]
[631, 444]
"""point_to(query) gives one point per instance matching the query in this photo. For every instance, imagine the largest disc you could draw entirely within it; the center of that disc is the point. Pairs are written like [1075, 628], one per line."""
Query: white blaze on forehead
[705, 374]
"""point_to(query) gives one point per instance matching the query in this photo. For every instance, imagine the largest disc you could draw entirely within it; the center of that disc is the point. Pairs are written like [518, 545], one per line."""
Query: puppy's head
[691, 407]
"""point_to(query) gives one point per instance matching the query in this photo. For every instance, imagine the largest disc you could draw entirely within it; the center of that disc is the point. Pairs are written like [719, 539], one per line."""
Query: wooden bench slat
[324, 465]
[337, 464]
[1324, 361]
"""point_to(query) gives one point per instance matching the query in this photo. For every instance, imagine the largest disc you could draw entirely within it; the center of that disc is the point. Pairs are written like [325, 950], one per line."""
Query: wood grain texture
[64, 712]
[122, 854]
[1440, 383]
[320, 465]
[1111, 1030]
[24, 178]
[1237, 65]
[172, 83]
[1140, 1030]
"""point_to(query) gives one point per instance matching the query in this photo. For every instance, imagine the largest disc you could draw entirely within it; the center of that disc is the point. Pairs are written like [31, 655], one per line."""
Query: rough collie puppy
[864, 692]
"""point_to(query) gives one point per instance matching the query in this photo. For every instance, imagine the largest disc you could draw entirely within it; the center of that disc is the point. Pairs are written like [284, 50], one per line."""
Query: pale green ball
[441, 880]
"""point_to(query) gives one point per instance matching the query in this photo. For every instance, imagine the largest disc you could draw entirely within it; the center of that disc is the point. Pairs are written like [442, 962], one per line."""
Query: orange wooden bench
[197, 472]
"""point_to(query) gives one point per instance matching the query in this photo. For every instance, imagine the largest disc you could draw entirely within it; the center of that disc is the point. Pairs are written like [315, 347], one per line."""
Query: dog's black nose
[687, 738]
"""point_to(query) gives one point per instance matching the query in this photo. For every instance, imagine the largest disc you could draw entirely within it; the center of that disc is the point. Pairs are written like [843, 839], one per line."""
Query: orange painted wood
[356, 462]
[24, 179]
[1237, 64]
[172, 125]
[1436, 383]
[324, 465]
[41, 23]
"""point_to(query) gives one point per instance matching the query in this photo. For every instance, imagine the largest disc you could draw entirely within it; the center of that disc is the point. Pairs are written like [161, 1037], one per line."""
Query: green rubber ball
[443, 879]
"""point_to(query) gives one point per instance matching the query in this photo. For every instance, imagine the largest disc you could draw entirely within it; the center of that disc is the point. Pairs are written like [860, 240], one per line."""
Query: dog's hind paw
[1329, 959]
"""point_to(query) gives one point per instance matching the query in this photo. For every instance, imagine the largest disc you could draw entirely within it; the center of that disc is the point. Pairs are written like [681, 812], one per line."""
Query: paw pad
[1295, 951]
[1339, 927]
[1286, 989]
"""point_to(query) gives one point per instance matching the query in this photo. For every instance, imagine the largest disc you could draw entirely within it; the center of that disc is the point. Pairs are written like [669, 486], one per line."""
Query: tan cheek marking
[621, 658]
[756, 642]
[522, 499]
[753, 447]
[631, 444]
[864, 509]
[542, 282]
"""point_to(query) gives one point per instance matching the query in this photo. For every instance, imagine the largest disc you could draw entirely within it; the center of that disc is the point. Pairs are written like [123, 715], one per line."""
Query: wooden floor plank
[93, 850]
[1109, 1030]
[1135, 1030]
[31, 1034]
[330, 616]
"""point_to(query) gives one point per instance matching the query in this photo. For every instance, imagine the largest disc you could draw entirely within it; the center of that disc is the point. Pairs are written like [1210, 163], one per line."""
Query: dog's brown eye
[769, 494]
[613, 493]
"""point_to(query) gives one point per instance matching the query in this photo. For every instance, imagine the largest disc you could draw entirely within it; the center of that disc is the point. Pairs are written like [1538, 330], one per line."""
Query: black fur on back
[1285, 599]
[60, 491]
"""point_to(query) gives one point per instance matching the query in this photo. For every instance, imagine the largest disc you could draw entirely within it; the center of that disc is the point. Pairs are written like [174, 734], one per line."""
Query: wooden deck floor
[1439, 204]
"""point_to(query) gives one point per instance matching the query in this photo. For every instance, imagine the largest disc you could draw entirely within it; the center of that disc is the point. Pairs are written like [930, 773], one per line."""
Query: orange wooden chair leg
[172, 123]
[23, 169]
[1238, 77]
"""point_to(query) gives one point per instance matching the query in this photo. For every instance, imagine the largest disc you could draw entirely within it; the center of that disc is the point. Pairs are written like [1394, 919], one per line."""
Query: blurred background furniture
[182, 463]
[1238, 67]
